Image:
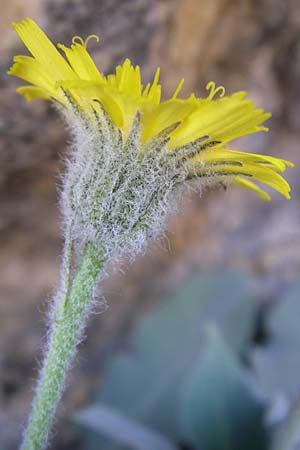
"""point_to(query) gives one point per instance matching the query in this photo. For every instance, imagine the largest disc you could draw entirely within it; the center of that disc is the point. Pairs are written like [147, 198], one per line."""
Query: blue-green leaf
[277, 364]
[220, 409]
[126, 432]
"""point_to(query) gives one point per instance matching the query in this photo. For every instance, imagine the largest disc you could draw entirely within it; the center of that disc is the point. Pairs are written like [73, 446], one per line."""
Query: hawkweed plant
[132, 158]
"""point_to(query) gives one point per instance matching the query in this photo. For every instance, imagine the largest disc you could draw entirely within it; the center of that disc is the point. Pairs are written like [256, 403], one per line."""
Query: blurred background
[199, 345]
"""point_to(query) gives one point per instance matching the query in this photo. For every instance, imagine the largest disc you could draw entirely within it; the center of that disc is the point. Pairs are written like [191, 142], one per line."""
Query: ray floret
[69, 76]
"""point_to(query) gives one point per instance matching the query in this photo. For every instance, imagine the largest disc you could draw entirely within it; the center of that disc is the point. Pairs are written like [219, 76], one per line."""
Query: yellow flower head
[197, 131]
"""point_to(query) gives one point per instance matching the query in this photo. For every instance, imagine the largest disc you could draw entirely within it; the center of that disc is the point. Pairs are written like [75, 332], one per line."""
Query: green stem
[70, 315]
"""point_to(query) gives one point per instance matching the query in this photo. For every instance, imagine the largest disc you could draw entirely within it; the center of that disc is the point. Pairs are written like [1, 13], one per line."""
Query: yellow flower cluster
[122, 94]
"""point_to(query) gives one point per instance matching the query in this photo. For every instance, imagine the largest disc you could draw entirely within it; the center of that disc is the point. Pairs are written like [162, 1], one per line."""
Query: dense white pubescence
[117, 191]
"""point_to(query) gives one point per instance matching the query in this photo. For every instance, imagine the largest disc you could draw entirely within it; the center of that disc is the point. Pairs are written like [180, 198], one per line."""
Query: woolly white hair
[117, 191]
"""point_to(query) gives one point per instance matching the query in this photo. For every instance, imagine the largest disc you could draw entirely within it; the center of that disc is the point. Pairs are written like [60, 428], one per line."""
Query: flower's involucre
[131, 149]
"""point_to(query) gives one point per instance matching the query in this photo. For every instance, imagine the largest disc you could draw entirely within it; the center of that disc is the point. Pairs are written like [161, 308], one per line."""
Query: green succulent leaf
[277, 364]
[122, 430]
[220, 409]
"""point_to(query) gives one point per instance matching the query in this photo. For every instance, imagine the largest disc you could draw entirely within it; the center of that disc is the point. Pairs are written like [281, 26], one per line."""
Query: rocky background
[241, 44]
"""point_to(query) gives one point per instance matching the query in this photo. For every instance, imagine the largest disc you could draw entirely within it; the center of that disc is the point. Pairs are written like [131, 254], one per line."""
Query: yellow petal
[266, 175]
[33, 92]
[165, 114]
[90, 91]
[82, 63]
[225, 154]
[43, 49]
[222, 119]
[155, 89]
[250, 185]
[31, 70]
[127, 79]
[178, 89]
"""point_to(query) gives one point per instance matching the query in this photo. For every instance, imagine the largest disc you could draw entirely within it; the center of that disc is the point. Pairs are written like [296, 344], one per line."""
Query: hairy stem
[70, 313]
